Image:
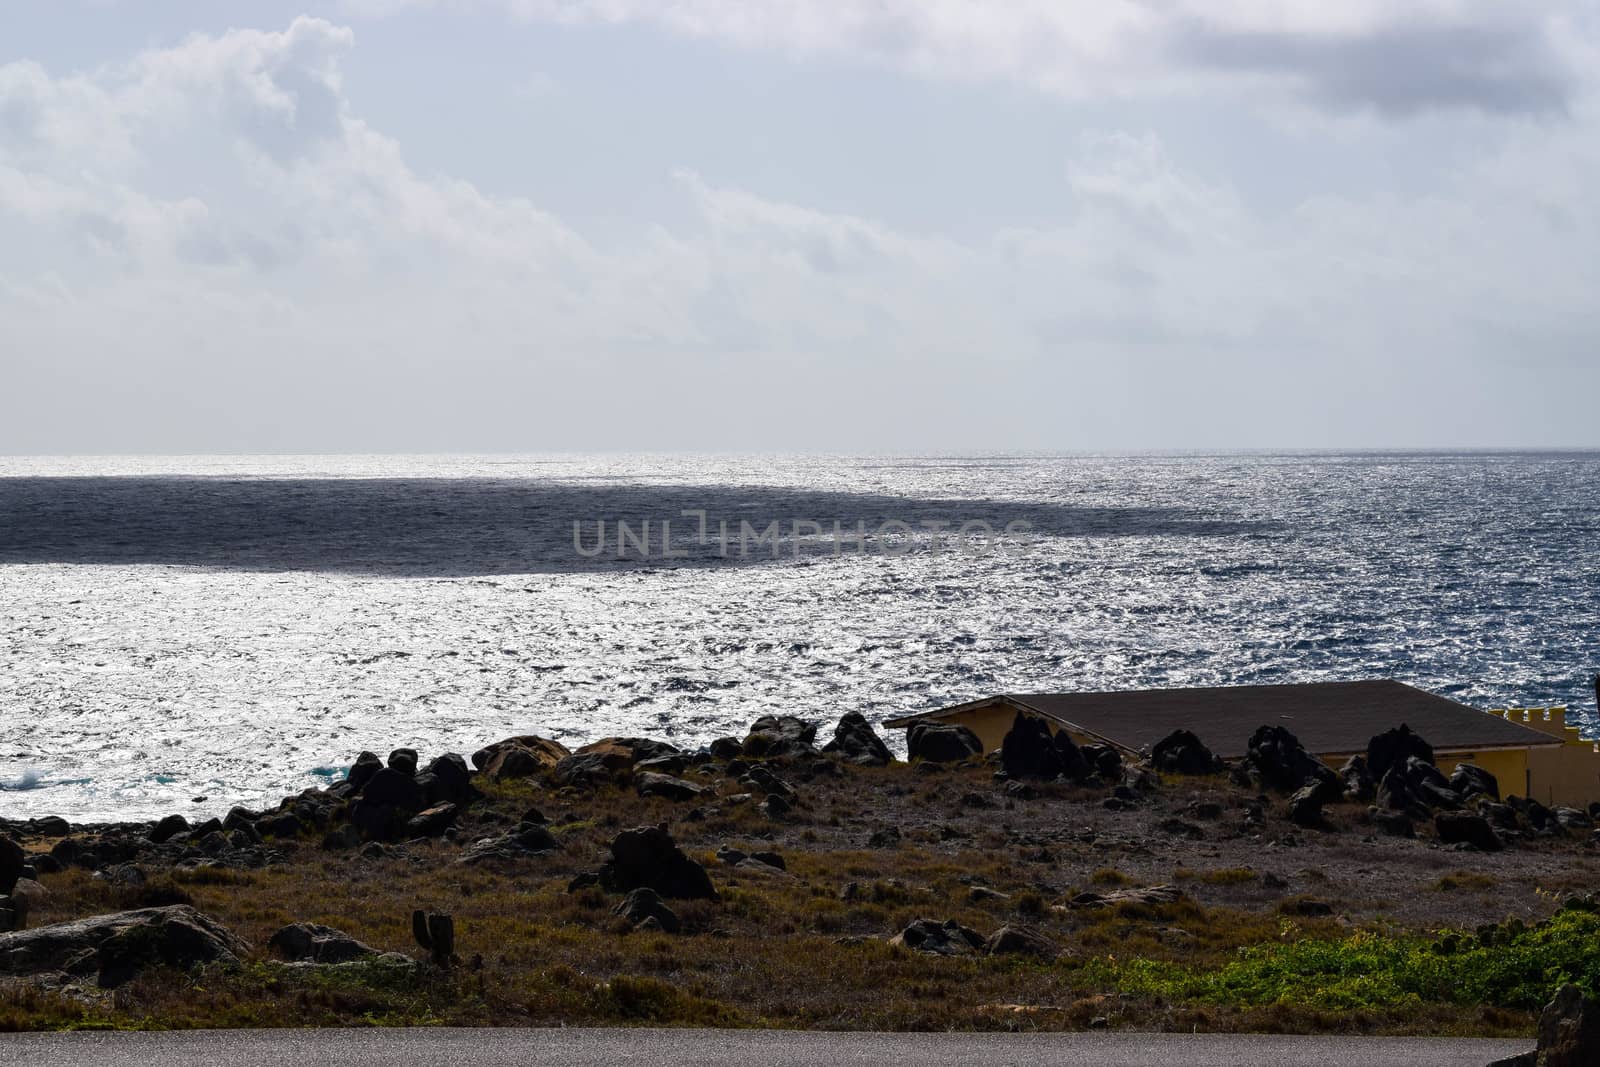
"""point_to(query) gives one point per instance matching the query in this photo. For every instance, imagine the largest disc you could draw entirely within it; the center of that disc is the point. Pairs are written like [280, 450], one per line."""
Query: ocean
[188, 633]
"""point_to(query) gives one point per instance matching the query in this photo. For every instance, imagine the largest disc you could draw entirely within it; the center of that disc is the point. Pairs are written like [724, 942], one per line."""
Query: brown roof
[1329, 718]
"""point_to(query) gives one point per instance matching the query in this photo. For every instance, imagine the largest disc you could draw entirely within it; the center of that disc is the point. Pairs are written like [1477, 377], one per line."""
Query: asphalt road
[730, 1048]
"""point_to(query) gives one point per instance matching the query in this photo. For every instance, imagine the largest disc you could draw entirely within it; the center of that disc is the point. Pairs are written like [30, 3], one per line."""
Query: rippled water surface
[236, 628]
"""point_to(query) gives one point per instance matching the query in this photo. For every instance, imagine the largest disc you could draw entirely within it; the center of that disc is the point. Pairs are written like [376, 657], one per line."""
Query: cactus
[437, 934]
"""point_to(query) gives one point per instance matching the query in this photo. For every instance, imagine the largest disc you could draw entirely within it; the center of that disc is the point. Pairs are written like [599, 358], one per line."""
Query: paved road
[725, 1048]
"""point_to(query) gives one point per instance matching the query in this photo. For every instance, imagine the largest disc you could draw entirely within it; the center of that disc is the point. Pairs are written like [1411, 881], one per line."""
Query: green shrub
[1518, 968]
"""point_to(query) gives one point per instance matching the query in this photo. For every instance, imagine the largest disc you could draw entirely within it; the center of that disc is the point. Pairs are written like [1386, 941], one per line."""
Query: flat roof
[1329, 718]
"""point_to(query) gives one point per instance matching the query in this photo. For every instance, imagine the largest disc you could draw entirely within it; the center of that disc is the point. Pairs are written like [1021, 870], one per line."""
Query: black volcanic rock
[168, 828]
[644, 906]
[116, 947]
[780, 737]
[12, 861]
[367, 765]
[1030, 750]
[1459, 827]
[1357, 779]
[857, 742]
[1181, 752]
[648, 857]
[1282, 763]
[314, 943]
[942, 742]
[1392, 748]
[1470, 780]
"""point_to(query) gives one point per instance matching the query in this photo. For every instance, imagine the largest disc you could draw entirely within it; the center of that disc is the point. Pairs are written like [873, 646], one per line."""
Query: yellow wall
[1569, 775]
[1509, 767]
[990, 724]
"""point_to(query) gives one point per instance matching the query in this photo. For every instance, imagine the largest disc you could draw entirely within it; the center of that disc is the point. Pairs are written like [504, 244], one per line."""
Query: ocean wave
[27, 778]
[245, 670]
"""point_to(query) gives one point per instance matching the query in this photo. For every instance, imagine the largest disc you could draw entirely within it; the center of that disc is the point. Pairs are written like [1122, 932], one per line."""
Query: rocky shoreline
[631, 881]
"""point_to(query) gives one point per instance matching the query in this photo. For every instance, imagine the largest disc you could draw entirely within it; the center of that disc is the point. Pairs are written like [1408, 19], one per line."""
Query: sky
[781, 225]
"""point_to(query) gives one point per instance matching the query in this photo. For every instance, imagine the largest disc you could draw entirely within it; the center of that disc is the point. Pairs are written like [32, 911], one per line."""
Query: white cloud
[1394, 59]
[304, 286]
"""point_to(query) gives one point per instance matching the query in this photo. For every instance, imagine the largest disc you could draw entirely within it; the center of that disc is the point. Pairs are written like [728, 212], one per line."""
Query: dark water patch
[447, 527]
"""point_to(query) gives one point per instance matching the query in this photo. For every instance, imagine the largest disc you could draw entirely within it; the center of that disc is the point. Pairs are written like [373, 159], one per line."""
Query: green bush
[1509, 967]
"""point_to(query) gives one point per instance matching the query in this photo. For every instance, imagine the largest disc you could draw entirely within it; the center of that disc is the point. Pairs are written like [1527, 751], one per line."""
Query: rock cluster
[1393, 748]
[114, 948]
[1031, 750]
[855, 741]
[780, 737]
[1569, 1033]
[313, 943]
[519, 757]
[950, 938]
[942, 742]
[647, 857]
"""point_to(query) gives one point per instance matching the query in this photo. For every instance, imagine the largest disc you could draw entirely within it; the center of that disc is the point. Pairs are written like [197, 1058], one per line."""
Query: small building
[1530, 751]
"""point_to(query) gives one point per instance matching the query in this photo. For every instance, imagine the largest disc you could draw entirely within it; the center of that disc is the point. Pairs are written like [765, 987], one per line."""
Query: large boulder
[14, 913]
[760, 779]
[1030, 750]
[1431, 786]
[855, 741]
[648, 857]
[780, 737]
[1142, 896]
[1181, 752]
[283, 824]
[1500, 816]
[387, 802]
[525, 756]
[1395, 793]
[629, 750]
[361, 771]
[611, 760]
[948, 938]
[591, 769]
[447, 778]
[432, 821]
[1462, 828]
[313, 943]
[1572, 818]
[404, 760]
[1394, 824]
[529, 839]
[1392, 748]
[643, 907]
[1020, 941]
[113, 948]
[26, 896]
[1569, 1030]
[1282, 763]
[12, 862]
[651, 784]
[942, 742]
[1103, 760]
[1469, 780]
[1305, 806]
[166, 829]
[1357, 779]
[50, 826]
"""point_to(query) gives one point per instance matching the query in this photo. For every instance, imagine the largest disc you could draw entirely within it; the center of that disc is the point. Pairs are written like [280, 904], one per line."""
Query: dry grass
[782, 951]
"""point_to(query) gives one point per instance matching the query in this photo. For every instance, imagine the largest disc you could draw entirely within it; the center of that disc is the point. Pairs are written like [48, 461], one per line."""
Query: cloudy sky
[519, 225]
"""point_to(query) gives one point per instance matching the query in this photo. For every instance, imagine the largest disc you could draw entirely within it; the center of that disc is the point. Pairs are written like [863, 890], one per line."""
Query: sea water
[184, 634]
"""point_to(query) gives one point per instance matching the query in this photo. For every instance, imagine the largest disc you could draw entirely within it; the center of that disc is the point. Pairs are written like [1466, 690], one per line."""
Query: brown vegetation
[808, 947]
